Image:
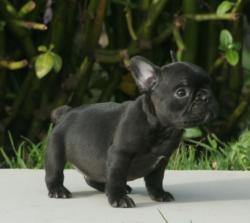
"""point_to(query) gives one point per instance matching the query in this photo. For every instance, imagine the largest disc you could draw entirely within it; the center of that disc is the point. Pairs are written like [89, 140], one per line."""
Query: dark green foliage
[75, 52]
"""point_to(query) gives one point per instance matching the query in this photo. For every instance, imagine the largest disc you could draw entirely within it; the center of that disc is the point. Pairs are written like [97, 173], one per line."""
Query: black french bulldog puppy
[113, 143]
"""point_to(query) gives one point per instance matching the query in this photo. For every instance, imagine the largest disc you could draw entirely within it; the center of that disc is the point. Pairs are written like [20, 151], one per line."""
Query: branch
[238, 5]
[83, 74]
[57, 27]
[114, 82]
[234, 117]
[130, 24]
[111, 56]
[153, 14]
[32, 25]
[97, 28]
[163, 35]
[212, 16]
[13, 65]
[10, 15]
[179, 42]
[219, 61]
[115, 56]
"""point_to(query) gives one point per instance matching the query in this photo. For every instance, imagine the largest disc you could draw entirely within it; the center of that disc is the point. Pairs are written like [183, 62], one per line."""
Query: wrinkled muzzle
[202, 110]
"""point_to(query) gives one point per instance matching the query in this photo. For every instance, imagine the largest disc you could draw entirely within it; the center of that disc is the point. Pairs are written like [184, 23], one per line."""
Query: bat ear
[145, 73]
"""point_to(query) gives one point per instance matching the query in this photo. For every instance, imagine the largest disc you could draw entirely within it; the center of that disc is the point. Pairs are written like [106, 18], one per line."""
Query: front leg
[117, 170]
[154, 183]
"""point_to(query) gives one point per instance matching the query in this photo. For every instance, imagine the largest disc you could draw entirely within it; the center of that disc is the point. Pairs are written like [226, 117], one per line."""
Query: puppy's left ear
[145, 73]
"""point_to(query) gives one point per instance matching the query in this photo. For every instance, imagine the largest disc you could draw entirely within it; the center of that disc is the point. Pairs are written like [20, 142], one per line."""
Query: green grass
[26, 155]
[213, 154]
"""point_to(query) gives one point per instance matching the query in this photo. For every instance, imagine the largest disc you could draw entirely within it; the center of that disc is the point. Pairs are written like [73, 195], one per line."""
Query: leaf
[42, 48]
[212, 142]
[230, 46]
[6, 158]
[226, 39]
[57, 62]
[27, 8]
[43, 65]
[232, 57]
[192, 133]
[224, 7]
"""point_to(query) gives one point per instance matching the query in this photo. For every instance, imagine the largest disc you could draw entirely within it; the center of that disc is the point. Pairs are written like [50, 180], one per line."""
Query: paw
[128, 189]
[162, 196]
[60, 192]
[124, 202]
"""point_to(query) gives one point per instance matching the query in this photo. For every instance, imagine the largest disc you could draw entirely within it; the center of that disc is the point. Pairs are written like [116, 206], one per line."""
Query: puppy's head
[180, 92]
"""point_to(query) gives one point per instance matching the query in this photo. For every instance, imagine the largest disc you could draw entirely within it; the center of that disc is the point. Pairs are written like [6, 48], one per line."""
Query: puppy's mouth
[199, 119]
[208, 117]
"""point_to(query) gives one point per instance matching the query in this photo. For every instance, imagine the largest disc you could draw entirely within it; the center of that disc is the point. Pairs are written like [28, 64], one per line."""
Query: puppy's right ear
[144, 72]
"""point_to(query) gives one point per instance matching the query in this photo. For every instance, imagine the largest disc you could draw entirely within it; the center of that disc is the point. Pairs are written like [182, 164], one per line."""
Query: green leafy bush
[214, 154]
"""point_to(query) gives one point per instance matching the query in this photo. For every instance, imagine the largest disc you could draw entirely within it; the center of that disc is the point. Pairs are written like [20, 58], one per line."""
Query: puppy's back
[91, 125]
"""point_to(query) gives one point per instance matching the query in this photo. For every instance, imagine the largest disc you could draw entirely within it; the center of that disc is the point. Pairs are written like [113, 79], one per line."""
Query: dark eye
[181, 92]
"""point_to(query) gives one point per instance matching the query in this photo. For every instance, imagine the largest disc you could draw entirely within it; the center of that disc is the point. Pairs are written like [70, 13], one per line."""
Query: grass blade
[6, 158]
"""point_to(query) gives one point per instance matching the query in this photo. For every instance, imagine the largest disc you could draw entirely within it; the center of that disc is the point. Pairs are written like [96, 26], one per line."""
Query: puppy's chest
[164, 141]
[159, 146]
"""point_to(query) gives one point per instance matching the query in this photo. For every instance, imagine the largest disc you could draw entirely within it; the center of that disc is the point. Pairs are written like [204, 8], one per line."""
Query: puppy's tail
[57, 113]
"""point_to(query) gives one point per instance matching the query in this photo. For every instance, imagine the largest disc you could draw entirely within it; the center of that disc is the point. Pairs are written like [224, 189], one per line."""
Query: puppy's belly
[142, 166]
[92, 168]
[98, 177]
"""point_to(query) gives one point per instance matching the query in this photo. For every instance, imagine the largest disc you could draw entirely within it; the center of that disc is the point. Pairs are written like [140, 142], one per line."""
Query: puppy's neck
[149, 110]
[161, 136]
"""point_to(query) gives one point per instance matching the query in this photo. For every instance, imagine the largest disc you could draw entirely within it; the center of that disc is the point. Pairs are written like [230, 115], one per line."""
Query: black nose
[202, 96]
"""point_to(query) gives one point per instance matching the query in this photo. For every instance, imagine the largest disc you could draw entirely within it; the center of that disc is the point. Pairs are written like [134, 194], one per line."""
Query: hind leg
[54, 165]
[101, 186]
[97, 185]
